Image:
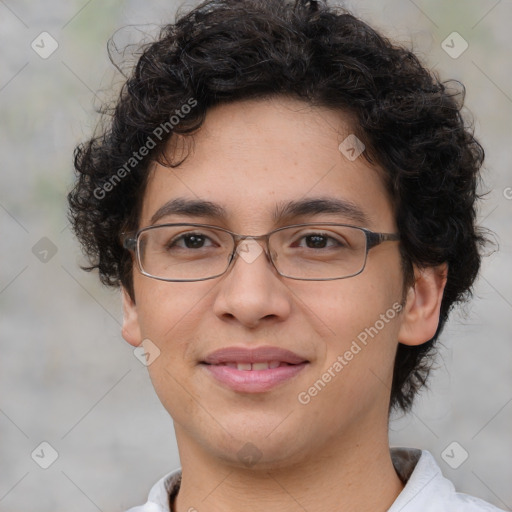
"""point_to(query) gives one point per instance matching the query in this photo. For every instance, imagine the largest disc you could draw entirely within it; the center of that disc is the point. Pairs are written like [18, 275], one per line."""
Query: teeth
[260, 366]
[254, 366]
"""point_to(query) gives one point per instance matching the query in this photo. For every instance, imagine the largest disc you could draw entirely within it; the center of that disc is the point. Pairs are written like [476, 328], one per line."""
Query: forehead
[254, 158]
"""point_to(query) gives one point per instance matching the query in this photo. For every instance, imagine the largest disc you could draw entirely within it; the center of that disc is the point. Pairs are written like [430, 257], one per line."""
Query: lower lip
[253, 381]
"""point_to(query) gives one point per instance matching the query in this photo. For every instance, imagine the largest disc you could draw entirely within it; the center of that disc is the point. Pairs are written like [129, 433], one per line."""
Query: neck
[353, 475]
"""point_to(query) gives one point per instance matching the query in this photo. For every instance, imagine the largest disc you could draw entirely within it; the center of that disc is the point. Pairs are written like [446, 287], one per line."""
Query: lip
[253, 381]
[253, 355]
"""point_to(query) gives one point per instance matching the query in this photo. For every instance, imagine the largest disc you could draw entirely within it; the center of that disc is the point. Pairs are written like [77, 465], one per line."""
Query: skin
[331, 454]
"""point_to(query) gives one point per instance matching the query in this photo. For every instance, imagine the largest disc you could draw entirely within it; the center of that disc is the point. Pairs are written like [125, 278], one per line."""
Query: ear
[423, 305]
[131, 329]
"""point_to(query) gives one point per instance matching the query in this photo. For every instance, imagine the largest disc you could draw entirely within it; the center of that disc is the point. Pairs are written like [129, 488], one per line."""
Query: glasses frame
[131, 243]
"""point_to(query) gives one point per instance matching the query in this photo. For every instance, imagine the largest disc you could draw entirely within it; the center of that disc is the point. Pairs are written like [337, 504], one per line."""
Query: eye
[190, 241]
[318, 241]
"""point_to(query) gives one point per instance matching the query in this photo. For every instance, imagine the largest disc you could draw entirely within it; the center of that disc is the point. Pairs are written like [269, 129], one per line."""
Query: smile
[264, 365]
[253, 377]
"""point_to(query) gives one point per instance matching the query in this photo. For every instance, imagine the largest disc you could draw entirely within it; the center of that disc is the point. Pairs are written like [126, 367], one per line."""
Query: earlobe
[423, 305]
[131, 329]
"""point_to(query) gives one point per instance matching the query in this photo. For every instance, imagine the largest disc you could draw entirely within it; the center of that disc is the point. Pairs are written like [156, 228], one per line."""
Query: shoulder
[426, 489]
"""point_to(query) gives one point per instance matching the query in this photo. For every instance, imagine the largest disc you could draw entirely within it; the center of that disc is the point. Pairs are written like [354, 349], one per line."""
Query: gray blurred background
[68, 379]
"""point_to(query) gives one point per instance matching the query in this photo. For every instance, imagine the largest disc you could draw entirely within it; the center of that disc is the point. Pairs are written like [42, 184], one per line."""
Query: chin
[257, 450]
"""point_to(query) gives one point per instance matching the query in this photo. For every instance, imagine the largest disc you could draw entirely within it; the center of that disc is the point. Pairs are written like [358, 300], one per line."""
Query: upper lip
[253, 355]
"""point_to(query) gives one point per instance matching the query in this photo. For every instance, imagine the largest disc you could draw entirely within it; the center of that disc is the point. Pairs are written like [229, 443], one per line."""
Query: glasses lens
[319, 251]
[184, 252]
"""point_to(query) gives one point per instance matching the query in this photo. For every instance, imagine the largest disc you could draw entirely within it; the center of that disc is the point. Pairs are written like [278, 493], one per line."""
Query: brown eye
[316, 241]
[194, 241]
[190, 241]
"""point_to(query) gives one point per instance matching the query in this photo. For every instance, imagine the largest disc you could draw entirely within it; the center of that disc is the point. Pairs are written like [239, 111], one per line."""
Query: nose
[251, 292]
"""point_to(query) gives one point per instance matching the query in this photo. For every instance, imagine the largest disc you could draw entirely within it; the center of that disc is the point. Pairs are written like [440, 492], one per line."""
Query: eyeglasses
[308, 252]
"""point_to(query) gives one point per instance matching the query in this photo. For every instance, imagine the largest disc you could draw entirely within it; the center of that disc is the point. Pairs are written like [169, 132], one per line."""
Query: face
[250, 158]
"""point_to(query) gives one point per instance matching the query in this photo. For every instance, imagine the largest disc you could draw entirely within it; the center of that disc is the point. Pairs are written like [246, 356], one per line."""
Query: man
[287, 201]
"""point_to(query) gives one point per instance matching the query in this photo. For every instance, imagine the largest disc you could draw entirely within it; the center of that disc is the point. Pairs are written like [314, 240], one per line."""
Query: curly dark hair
[228, 50]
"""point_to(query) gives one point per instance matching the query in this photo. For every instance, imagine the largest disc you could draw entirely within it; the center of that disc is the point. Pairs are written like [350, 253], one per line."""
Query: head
[247, 106]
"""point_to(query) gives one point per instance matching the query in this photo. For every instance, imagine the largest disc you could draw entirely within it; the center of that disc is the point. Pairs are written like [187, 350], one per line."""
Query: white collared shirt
[426, 489]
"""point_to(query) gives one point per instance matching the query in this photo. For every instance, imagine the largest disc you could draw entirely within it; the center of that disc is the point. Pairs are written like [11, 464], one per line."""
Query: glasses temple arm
[377, 238]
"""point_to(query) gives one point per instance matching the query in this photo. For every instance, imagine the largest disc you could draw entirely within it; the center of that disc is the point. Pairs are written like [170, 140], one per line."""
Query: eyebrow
[320, 205]
[190, 208]
[283, 212]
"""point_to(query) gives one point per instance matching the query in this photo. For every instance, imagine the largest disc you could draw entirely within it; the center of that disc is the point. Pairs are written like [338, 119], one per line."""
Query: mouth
[253, 370]
[261, 366]
[254, 355]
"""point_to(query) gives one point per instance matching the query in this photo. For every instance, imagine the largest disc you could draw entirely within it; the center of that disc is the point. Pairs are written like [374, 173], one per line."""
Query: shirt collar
[416, 468]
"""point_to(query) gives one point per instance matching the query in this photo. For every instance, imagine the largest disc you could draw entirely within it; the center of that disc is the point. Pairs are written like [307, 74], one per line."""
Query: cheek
[169, 316]
[348, 307]
[167, 308]
[363, 318]
[355, 371]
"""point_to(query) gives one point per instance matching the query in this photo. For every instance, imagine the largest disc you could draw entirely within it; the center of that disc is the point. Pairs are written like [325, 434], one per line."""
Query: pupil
[194, 241]
[316, 241]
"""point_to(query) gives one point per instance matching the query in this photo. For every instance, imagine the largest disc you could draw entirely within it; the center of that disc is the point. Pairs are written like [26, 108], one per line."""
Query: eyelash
[183, 237]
